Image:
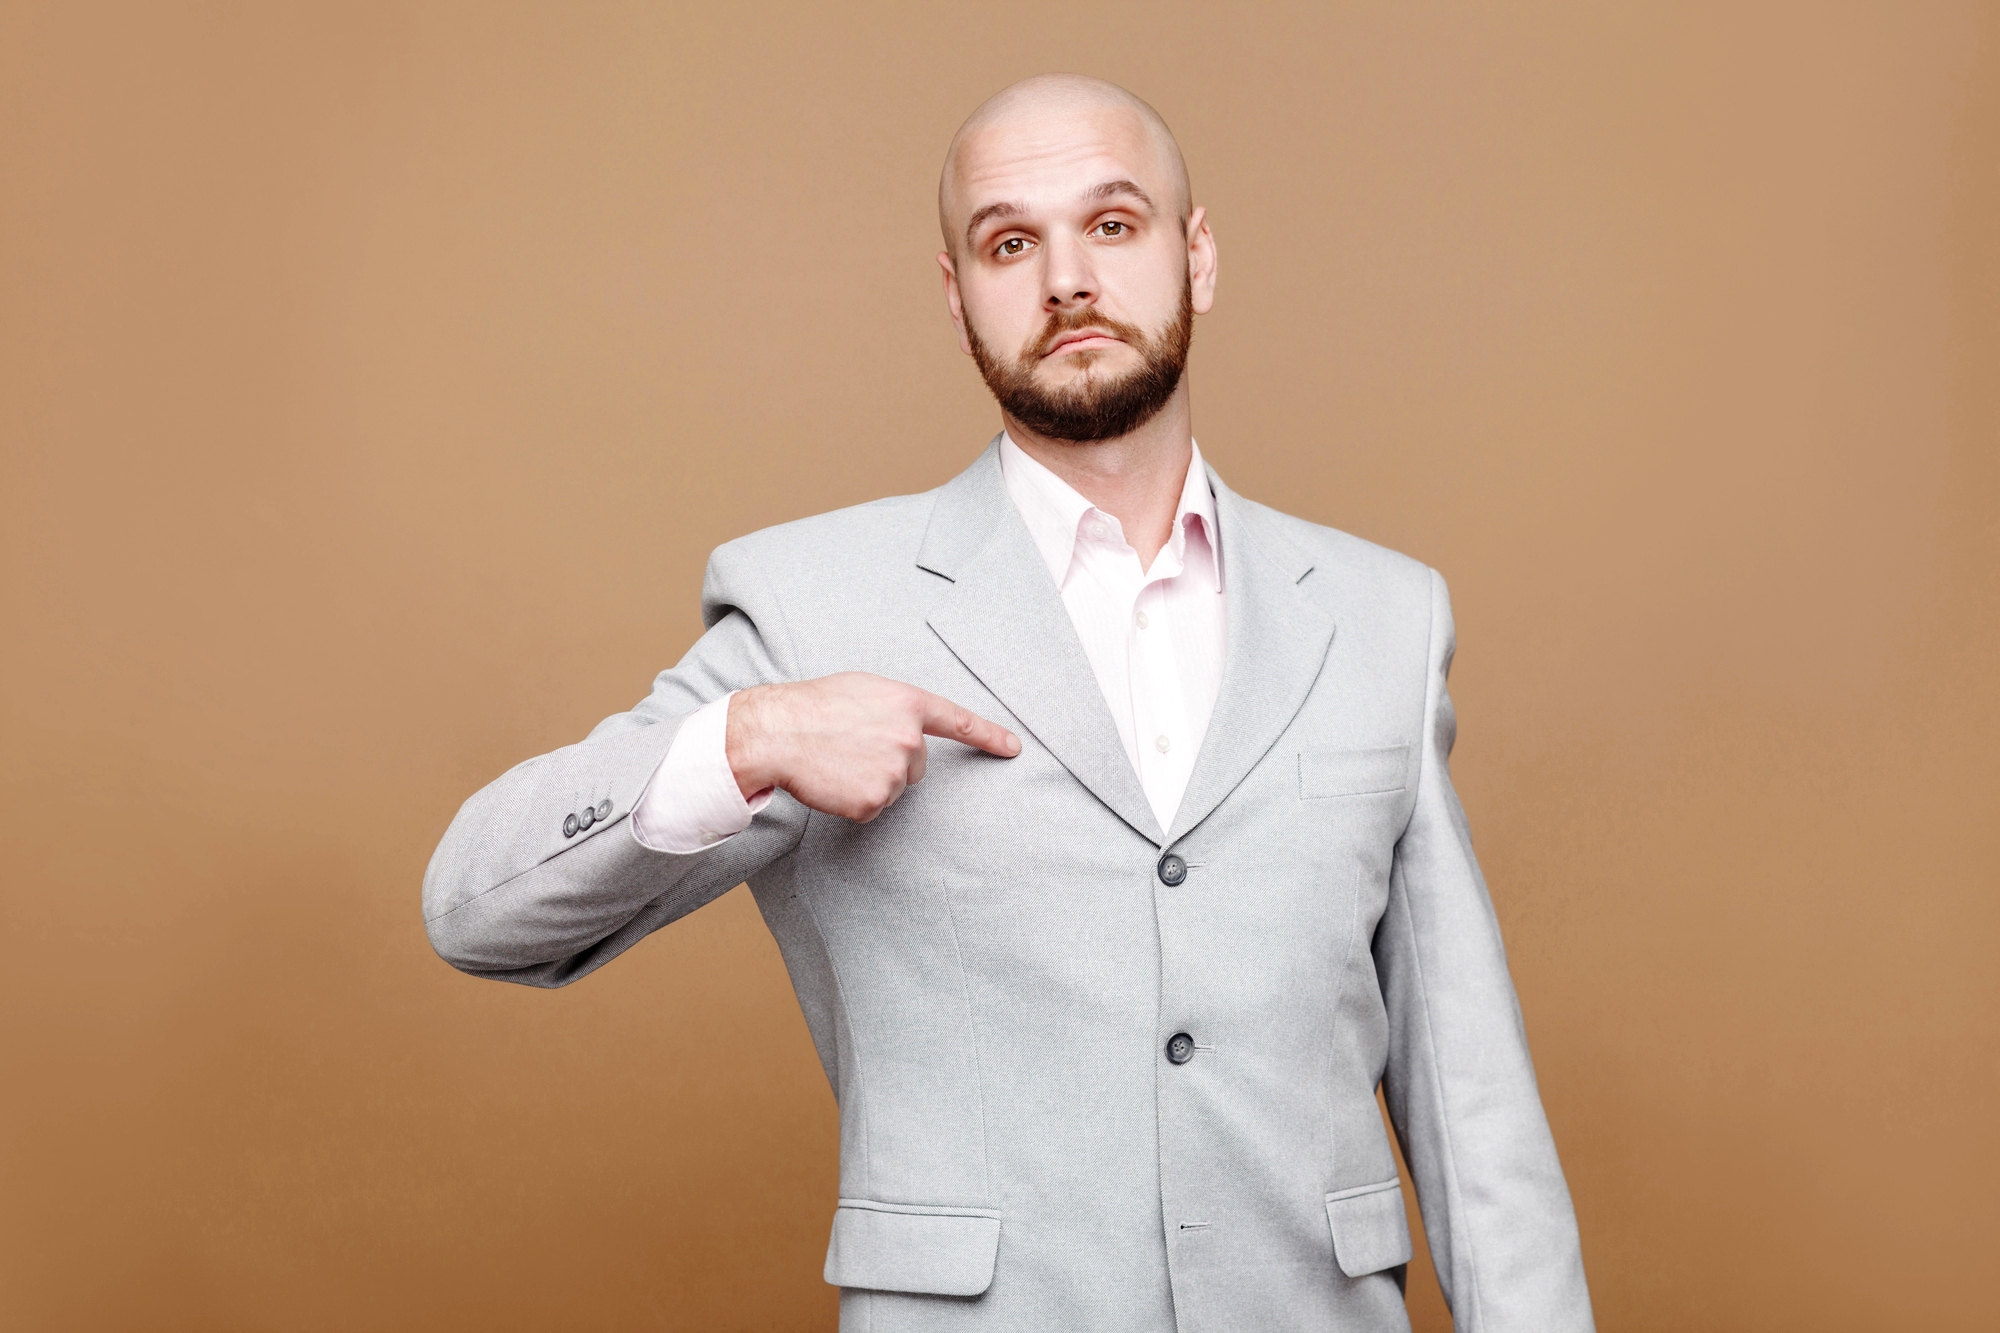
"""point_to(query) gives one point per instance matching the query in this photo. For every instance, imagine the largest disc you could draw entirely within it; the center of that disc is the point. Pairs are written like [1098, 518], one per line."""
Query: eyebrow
[1014, 208]
[991, 211]
[1110, 188]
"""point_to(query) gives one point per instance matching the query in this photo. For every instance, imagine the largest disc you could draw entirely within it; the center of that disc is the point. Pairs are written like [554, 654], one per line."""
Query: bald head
[1074, 260]
[1057, 116]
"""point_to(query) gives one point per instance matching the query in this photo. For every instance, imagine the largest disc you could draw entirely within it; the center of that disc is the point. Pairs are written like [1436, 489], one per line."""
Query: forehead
[1048, 158]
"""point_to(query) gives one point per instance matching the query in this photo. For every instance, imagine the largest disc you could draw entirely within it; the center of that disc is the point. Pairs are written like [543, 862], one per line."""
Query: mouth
[1081, 340]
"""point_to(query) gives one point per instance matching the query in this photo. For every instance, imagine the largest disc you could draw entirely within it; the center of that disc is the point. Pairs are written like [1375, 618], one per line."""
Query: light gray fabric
[991, 970]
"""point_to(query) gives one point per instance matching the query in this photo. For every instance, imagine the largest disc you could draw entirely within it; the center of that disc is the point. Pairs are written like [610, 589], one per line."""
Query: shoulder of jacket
[837, 540]
[1341, 557]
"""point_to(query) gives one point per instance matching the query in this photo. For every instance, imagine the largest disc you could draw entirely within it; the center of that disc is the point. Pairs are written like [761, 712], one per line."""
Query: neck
[1135, 478]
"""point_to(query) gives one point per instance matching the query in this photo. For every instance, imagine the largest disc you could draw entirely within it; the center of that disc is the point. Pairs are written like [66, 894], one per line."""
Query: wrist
[747, 741]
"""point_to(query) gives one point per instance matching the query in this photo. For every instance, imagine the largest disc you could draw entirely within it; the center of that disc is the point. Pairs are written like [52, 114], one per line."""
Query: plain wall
[374, 380]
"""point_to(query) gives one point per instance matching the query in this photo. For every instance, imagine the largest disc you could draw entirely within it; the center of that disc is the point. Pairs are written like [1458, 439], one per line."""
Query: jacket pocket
[1370, 1231]
[936, 1251]
[1324, 773]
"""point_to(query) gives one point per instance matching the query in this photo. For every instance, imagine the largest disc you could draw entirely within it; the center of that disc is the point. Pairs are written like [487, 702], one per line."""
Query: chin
[1073, 366]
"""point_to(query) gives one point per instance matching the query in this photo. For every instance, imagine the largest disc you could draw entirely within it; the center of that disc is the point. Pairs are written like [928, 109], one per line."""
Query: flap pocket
[1325, 773]
[1370, 1231]
[909, 1247]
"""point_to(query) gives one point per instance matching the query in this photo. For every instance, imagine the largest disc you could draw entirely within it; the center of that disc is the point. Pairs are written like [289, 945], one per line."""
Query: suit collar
[1004, 619]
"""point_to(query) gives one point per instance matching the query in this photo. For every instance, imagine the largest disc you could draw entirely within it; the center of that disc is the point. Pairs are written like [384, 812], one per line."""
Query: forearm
[528, 872]
[569, 914]
[1461, 1089]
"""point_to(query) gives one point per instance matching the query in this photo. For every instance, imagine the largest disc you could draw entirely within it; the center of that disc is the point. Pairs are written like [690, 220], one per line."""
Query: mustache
[1061, 322]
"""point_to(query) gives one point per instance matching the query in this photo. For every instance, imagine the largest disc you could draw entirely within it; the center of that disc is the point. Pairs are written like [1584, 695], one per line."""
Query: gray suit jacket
[992, 969]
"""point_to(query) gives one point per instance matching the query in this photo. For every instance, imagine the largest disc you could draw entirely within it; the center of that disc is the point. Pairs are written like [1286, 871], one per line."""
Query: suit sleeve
[1459, 1084]
[539, 879]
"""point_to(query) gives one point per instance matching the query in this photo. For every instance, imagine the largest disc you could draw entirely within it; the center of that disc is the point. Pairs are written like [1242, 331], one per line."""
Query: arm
[1460, 1086]
[566, 861]
[520, 891]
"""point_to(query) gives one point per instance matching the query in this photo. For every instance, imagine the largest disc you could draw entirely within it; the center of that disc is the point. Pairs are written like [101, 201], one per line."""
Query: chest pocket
[1327, 773]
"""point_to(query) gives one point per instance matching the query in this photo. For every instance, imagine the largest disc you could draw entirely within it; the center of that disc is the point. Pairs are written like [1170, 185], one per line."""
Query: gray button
[1172, 870]
[604, 808]
[587, 818]
[1180, 1048]
[570, 827]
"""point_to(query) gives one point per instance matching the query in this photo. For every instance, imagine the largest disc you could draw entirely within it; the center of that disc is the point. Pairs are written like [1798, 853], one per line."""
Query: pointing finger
[944, 718]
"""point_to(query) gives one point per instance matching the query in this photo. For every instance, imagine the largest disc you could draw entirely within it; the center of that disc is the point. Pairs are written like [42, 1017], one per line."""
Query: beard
[1091, 407]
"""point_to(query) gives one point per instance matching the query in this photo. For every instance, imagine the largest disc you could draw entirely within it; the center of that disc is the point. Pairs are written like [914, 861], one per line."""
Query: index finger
[944, 718]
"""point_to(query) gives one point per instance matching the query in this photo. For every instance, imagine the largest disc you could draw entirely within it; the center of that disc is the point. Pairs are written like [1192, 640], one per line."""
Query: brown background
[374, 380]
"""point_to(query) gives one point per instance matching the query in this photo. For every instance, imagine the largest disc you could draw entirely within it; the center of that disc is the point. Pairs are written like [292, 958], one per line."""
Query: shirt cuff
[692, 802]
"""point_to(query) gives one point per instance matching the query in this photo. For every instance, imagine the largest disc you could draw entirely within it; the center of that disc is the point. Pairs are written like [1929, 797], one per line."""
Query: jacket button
[588, 818]
[1180, 1048]
[604, 808]
[1172, 870]
[570, 827]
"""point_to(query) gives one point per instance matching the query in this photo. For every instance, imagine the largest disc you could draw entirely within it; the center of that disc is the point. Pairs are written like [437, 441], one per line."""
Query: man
[1106, 1000]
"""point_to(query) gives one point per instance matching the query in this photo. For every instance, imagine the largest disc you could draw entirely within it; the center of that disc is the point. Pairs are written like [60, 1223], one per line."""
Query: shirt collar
[1055, 513]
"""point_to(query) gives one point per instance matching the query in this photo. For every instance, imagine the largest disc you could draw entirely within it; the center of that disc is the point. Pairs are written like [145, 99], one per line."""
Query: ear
[1201, 262]
[953, 302]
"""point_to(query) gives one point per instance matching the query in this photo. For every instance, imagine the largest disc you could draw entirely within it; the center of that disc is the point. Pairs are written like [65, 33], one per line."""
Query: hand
[849, 744]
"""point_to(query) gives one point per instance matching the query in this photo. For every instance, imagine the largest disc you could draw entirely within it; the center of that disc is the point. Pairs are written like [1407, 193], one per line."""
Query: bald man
[1106, 1000]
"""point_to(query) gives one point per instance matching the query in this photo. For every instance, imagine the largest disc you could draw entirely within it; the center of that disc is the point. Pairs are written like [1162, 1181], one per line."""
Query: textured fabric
[897, 1247]
[1154, 637]
[992, 969]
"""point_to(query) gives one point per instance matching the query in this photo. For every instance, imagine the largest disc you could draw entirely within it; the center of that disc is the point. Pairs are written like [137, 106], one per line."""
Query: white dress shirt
[1154, 639]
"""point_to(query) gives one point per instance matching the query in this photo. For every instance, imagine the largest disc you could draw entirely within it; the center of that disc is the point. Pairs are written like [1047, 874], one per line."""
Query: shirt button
[1180, 1048]
[1173, 870]
[1162, 744]
[1140, 620]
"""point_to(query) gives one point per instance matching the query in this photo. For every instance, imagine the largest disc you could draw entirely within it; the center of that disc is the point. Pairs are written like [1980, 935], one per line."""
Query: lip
[1082, 340]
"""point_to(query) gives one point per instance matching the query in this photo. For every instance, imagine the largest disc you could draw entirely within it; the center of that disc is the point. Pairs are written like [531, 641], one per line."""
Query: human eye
[1012, 247]
[1111, 227]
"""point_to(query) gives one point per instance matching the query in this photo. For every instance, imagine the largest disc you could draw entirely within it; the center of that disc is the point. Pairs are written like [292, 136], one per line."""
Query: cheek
[1004, 307]
[1142, 284]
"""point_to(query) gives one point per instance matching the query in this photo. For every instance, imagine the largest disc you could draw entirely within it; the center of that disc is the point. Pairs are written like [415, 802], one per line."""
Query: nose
[1069, 280]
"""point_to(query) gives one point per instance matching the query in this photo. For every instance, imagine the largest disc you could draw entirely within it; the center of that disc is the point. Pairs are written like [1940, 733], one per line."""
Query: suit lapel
[1005, 620]
[1276, 643]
